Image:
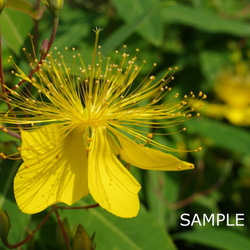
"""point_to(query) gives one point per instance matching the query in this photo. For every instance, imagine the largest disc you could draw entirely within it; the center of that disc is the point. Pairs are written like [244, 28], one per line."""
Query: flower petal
[110, 183]
[54, 168]
[148, 158]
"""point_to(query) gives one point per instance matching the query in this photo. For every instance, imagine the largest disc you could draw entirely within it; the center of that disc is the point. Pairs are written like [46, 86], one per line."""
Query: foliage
[199, 37]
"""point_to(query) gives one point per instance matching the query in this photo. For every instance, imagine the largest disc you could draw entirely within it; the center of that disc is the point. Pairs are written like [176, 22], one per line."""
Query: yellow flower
[81, 123]
[232, 87]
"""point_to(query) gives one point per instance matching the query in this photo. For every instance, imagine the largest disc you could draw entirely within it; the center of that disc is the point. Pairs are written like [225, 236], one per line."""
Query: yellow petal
[110, 183]
[238, 116]
[54, 168]
[148, 158]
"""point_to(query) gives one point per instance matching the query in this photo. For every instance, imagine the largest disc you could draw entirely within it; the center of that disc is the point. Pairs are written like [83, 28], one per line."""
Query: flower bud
[2, 4]
[82, 240]
[4, 224]
[55, 6]
[44, 47]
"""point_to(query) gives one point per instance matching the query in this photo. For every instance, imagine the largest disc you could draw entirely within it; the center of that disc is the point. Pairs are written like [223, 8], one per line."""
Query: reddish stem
[52, 37]
[7, 244]
[5, 130]
[62, 228]
[85, 207]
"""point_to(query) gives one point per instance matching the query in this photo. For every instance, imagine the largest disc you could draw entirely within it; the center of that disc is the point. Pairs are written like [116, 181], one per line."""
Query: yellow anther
[27, 166]
[150, 135]
[3, 155]
[204, 96]
[89, 139]
[5, 130]
[87, 149]
[179, 168]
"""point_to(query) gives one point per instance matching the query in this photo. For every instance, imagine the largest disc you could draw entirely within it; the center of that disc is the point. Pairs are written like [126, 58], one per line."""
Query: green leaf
[22, 6]
[205, 20]
[18, 220]
[15, 27]
[142, 18]
[141, 232]
[119, 36]
[219, 134]
[217, 238]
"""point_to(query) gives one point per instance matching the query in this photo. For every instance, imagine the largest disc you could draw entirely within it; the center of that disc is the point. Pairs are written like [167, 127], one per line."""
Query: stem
[197, 195]
[85, 207]
[52, 38]
[62, 228]
[5, 130]
[7, 244]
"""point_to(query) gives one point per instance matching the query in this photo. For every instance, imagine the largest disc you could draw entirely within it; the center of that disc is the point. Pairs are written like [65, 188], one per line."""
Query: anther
[150, 135]
[3, 155]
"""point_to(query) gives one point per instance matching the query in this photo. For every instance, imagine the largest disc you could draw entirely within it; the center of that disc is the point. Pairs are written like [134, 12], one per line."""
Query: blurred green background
[209, 41]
